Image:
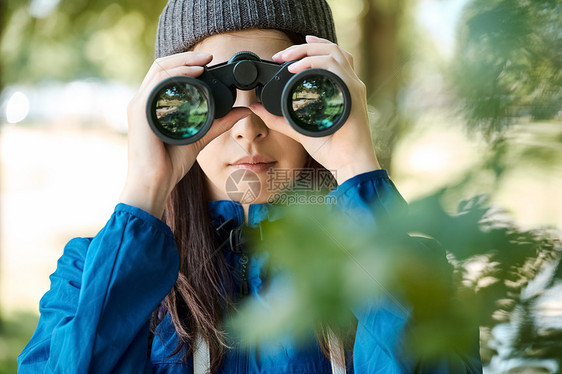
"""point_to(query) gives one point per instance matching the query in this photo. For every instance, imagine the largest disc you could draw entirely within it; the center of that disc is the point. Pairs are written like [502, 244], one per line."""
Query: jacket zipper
[244, 286]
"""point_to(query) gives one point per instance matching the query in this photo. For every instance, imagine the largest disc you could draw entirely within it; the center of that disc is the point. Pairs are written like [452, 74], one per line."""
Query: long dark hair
[201, 297]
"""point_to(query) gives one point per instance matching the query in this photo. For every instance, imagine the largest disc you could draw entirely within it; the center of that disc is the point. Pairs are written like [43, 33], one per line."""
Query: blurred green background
[465, 99]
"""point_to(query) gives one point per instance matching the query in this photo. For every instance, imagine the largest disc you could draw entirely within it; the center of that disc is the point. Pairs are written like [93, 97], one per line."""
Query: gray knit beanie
[184, 23]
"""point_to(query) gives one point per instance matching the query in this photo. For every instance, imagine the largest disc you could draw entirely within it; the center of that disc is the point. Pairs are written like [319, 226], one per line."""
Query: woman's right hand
[154, 168]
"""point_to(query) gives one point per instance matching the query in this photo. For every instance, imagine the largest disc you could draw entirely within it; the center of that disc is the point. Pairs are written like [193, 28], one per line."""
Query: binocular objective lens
[181, 110]
[317, 103]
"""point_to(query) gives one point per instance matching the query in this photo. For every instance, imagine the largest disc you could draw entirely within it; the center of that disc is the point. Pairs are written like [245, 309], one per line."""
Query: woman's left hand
[348, 151]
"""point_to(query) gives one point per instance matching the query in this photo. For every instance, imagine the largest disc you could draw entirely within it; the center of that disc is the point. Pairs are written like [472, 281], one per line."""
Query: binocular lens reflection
[317, 103]
[181, 110]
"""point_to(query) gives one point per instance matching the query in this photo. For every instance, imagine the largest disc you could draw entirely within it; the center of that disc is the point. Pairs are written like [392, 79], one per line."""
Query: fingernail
[203, 55]
[292, 67]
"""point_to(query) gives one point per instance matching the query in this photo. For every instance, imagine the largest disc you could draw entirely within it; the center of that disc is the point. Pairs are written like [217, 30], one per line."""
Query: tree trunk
[380, 68]
[3, 23]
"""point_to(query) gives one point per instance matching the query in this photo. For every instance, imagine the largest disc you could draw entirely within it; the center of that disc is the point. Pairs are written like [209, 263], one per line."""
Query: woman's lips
[255, 167]
[256, 162]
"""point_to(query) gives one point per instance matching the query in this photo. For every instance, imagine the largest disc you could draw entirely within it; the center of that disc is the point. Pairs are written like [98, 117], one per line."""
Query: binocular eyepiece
[315, 102]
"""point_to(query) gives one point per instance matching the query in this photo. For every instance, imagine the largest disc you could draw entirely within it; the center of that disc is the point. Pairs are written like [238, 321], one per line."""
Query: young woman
[148, 293]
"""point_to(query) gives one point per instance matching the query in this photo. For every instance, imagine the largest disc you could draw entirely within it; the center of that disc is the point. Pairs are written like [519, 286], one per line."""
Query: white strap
[336, 350]
[202, 357]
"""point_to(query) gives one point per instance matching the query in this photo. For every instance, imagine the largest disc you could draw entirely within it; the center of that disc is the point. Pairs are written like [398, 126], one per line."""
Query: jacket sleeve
[369, 198]
[95, 316]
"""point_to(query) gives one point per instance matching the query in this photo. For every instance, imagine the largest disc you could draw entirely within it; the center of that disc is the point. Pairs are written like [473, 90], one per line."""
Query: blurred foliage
[70, 39]
[15, 331]
[530, 342]
[509, 62]
[337, 262]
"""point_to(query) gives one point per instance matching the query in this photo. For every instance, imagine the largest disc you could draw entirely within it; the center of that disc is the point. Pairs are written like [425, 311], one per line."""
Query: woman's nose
[251, 128]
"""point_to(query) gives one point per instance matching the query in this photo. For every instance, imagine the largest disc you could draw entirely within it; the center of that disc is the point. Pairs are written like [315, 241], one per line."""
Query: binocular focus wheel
[243, 55]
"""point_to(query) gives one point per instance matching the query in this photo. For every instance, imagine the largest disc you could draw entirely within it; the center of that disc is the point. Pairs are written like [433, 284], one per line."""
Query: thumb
[222, 125]
[277, 123]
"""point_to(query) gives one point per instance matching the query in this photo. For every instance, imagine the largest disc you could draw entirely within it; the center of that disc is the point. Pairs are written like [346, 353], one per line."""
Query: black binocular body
[315, 102]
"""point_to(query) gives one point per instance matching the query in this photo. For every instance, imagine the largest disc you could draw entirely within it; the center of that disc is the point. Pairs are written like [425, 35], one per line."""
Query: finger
[293, 52]
[181, 59]
[186, 71]
[316, 39]
[224, 124]
[316, 49]
[159, 73]
[309, 39]
[317, 62]
[276, 123]
[349, 57]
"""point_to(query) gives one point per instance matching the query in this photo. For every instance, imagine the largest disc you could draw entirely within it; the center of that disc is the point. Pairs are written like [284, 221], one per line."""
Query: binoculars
[315, 102]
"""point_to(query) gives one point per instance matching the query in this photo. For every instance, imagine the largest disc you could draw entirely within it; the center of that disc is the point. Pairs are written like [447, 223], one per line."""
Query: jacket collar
[232, 232]
[230, 213]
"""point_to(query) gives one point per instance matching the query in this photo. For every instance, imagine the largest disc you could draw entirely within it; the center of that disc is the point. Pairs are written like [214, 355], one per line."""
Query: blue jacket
[95, 317]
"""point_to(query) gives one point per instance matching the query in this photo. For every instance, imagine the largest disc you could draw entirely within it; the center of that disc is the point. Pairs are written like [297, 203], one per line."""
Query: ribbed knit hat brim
[184, 23]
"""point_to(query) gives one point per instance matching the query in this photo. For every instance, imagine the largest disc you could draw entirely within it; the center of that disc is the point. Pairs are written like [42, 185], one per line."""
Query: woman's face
[249, 137]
